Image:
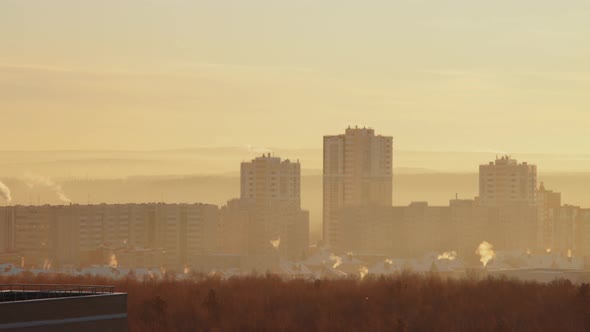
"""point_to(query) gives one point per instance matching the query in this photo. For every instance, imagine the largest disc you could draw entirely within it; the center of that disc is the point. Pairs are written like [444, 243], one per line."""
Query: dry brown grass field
[403, 302]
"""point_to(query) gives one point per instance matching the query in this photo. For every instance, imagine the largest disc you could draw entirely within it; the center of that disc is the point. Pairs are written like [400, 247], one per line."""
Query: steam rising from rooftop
[47, 264]
[485, 252]
[336, 259]
[5, 193]
[363, 271]
[448, 255]
[276, 243]
[33, 180]
[113, 263]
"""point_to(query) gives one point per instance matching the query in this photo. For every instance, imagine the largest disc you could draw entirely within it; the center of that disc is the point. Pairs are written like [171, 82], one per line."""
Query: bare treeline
[404, 302]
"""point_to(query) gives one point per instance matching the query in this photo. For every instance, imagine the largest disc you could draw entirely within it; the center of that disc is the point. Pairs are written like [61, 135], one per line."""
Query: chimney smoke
[5, 193]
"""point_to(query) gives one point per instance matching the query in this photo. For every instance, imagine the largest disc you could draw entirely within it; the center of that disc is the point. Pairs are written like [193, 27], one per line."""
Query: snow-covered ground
[325, 264]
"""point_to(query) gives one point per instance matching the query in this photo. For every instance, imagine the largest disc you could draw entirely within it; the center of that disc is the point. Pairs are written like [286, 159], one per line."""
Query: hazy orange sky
[438, 75]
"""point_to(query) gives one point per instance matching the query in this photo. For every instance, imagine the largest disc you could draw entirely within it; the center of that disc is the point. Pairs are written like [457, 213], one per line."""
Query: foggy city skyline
[262, 165]
[434, 181]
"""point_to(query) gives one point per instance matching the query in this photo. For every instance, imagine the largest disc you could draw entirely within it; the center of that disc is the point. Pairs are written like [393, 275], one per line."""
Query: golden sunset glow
[499, 76]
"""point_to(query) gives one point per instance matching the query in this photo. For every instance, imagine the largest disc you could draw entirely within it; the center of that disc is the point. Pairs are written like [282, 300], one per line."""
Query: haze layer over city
[341, 145]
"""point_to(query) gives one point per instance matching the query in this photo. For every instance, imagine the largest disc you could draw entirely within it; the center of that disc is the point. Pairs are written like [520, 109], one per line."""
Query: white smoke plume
[276, 243]
[47, 264]
[569, 253]
[186, 270]
[448, 255]
[363, 271]
[528, 252]
[5, 193]
[548, 250]
[113, 263]
[389, 261]
[22, 262]
[33, 180]
[485, 252]
[336, 259]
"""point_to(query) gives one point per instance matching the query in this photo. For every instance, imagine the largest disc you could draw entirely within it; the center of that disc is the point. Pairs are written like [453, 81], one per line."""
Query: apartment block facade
[507, 182]
[78, 234]
[357, 173]
[267, 219]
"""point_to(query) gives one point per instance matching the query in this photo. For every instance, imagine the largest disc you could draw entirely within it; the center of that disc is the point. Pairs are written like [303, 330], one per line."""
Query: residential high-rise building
[583, 234]
[512, 188]
[267, 219]
[357, 173]
[267, 180]
[566, 220]
[547, 201]
[506, 182]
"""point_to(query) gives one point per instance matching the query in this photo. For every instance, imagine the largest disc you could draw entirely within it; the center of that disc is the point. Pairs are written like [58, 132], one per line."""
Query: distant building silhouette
[505, 181]
[267, 219]
[417, 229]
[88, 234]
[547, 202]
[512, 188]
[357, 173]
[267, 180]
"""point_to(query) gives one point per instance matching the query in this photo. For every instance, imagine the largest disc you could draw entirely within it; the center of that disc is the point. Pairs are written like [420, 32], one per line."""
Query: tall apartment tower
[267, 180]
[547, 202]
[357, 173]
[506, 182]
[267, 219]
